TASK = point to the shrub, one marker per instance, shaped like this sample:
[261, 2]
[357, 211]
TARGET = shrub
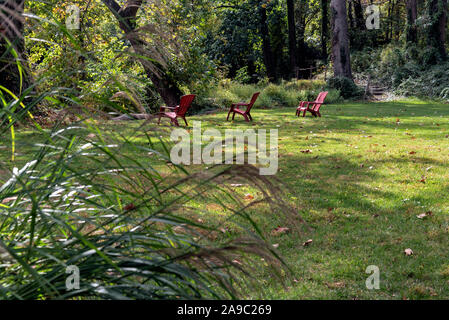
[285, 94]
[347, 87]
[242, 75]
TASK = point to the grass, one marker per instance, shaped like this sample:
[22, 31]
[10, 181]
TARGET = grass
[359, 176]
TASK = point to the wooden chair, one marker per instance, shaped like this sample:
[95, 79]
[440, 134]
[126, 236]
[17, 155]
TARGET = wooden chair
[246, 114]
[312, 107]
[178, 111]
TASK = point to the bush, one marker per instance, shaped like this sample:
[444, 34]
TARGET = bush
[348, 89]
[285, 94]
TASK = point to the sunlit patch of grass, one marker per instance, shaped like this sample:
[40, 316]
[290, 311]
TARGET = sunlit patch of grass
[374, 167]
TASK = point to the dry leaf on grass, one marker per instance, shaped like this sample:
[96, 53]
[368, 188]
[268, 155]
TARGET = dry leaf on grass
[279, 231]
[8, 200]
[336, 285]
[307, 243]
[130, 207]
[408, 252]
[249, 197]
[425, 215]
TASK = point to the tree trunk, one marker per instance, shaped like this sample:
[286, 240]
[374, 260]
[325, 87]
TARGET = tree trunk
[291, 36]
[358, 11]
[266, 44]
[11, 30]
[436, 37]
[350, 15]
[126, 15]
[340, 40]
[324, 27]
[412, 15]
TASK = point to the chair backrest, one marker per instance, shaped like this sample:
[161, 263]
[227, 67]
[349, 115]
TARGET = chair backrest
[321, 97]
[320, 100]
[253, 101]
[185, 104]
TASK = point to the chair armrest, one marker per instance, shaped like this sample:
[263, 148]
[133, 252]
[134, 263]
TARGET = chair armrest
[241, 104]
[170, 108]
[305, 104]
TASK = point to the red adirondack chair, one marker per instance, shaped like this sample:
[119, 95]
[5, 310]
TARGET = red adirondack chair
[312, 107]
[246, 114]
[178, 111]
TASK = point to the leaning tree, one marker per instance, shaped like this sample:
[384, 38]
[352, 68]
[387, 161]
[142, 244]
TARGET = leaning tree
[126, 15]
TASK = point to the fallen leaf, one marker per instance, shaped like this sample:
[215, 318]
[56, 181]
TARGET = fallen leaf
[279, 231]
[249, 197]
[336, 285]
[307, 243]
[7, 200]
[412, 152]
[425, 215]
[408, 252]
[276, 245]
[130, 207]
[306, 151]
[237, 262]
[423, 179]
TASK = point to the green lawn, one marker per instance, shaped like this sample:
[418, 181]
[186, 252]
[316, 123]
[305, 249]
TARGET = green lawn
[359, 176]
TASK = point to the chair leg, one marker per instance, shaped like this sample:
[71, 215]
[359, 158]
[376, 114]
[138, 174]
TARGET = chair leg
[233, 116]
[175, 122]
[319, 114]
[186, 122]
[304, 114]
[246, 117]
[249, 115]
[159, 122]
